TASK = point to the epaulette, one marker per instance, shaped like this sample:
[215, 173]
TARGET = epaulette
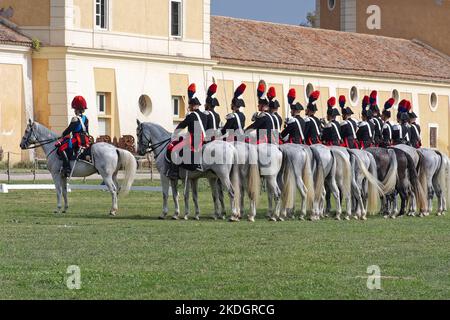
[385, 126]
[396, 127]
[307, 119]
[290, 120]
[362, 124]
[74, 119]
[343, 123]
[261, 115]
[230, 116]
[206, 112]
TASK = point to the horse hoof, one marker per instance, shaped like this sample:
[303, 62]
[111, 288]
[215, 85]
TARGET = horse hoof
[338, 218]
[161, 217]
[112, 213]
[186, 218]
[386, 216]
[348, 218]
[234, 219]
[197, 218]
[175, 218]
[281, 219]
[364, 218]
[251, 219]
[301, 218]
[273, 219]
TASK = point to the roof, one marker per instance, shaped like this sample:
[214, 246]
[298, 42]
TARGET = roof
[11, 36]
[287, 47]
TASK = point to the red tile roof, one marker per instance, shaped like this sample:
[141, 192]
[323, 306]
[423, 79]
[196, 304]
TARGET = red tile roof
[287, 47]
[11, 36]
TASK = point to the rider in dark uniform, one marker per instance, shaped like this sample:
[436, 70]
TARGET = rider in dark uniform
[312, 123]
[400, 132]
[262, 121]
[376, 119]
[295, 125]
[234, 127]
[195, 122]
[386, 134]
[366, 128]
[331, 135]
[75, 137]
[416, 141]
[210, 105]
[348, 126]
[274, 105]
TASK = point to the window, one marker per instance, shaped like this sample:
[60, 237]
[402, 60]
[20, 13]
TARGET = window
[354, 95]
[433, 137]
[101, 103]
[309, 90]
[176, 21]
[176, 103]
[433, 101]
[101, 14]
[145, 105]
[102, 127]
[395, 95]
[331, 4]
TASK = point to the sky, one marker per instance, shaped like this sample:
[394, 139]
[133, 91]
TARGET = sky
[279, 11]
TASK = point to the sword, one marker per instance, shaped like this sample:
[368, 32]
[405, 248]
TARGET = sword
[80, 151]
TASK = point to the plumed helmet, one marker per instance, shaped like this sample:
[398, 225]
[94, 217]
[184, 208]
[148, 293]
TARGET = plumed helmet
[331, 102]
[79, 103]
[342, 101]
[292, 95]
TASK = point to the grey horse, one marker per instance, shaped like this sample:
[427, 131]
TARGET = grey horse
[153, 137]
[107, 161]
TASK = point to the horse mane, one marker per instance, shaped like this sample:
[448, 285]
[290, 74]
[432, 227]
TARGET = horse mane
[157, 127]
[43, 129]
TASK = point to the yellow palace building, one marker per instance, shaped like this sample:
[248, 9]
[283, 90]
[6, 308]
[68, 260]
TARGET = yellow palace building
[135, 59]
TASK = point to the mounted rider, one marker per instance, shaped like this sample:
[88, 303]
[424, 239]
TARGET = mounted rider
[366, 128]
[195, 122]
[416, 140]
[331, 135]
[75, 139]
[312, 123]
[400, 132]
[348, 126]
[213, 122]
[262, 121]
[386, 134]
[376, 119]
[295, 125]
[274, 105]
[235, 120]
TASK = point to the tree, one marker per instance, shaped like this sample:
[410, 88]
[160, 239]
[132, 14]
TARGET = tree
[311, 20]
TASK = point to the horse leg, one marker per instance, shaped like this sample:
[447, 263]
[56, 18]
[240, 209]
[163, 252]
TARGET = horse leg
[109, 182]
[64, 193]
[176, 201]
[430, 198]
[274, 193]
[223, 212]
[186, 200]
[335, 191]
[165, 193]
[269, 201]
[57, 179]
[195, 197]
[214, 186]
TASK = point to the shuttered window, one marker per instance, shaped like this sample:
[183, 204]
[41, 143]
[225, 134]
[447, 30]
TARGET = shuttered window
[433, 137]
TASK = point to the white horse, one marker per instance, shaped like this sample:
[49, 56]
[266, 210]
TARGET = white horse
[107, 161]
[153, 137]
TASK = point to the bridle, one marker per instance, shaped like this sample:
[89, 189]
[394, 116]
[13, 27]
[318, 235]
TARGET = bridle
[153, 146]
[39, 143]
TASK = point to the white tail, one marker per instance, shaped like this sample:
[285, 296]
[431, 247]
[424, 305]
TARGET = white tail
[319, 176]
[390, 180]
[423, 180]
[235, 181]
[309, 182]
[347, 170]
[289, 187]
[254, 178]
[128, 163]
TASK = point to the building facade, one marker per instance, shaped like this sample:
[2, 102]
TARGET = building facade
[423, 20]
[135, 60]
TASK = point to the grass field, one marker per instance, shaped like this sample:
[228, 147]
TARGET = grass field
[136, 256]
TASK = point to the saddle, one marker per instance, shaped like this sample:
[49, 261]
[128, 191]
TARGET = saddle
[175, 151]
[76, 147]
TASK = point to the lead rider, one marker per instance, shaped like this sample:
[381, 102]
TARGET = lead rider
[76, 136]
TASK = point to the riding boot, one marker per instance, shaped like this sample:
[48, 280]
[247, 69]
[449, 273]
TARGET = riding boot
[172, 172]
[66, 164]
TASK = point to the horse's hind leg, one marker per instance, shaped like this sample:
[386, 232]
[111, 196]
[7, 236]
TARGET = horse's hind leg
[194, 184]
[165, 193]
[214, 192]
[223, 210]
[109, 182]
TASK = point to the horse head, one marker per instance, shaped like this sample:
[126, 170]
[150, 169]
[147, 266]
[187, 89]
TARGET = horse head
[29, 138]
[148, 134]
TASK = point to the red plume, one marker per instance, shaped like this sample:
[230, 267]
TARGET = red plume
[271, 94]
[191, 90]
[408, 105]
[212, 90]
[292, 95]
[342, 101]
[314, 96]
[261, 90]
[240, 90]
[331, 102]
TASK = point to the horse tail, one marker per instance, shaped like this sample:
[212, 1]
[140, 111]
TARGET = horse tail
[235, 183]
[447, 169]
[288, 192]
[375, 188]
[390, 180]
[128, 163]
[308, 181]
[319, 176]
[422, 170]
[254, 178]
[441, 177]
[347, 173]
[415, 183]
